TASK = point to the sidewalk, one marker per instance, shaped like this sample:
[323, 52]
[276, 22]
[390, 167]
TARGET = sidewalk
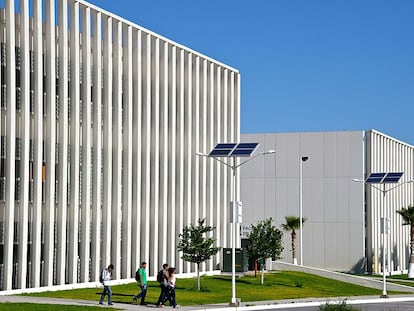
[248, 306]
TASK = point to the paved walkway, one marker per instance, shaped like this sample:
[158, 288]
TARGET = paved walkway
[248, 306]
[274, 304]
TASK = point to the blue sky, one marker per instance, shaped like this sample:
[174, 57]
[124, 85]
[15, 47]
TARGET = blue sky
[306, 65]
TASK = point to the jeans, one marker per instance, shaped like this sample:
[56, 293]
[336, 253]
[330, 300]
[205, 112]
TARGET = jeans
[106, 291]
[171, 296]
[163, 295]
[142, 294]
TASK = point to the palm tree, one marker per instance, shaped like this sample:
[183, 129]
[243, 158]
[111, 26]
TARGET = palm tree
[291, 224]
[408, 217]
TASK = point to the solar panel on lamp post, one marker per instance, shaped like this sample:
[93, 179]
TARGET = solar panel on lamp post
[234, 150]
[384, 178]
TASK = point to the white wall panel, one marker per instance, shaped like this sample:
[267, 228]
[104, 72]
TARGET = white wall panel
[327, 202]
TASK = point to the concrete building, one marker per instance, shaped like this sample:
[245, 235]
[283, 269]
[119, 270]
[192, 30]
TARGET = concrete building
[342, 231]
[100, 122]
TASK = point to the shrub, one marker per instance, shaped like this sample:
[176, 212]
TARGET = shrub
[337, 307]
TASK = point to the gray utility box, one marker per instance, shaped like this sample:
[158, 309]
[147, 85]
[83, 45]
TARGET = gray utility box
[242, 263]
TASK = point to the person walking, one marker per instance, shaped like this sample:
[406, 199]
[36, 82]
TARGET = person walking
[141, 277]
[171, 287]
[106, 277]
[162, 278]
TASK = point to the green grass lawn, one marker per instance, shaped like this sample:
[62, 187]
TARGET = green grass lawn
[217, 289]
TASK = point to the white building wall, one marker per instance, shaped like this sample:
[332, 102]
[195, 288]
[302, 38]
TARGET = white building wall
[387, 154]
[334, 233]
[343, 227]
[106, 117]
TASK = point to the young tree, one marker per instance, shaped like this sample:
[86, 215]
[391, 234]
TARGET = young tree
[292, 223]
[265, 242]
[408, 218]
[196, 246]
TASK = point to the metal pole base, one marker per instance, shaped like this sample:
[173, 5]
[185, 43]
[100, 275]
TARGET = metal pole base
[384, 296]
[235, 303]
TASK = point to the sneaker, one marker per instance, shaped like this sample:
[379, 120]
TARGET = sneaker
[176, 307]
[110, 304]
[101, 303]
[160, 305]
[143, 303]
[134, 300]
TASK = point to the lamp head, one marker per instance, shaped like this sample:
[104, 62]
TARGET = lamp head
[271, 151]
[357, 180]
[305, 159]
[201, 154]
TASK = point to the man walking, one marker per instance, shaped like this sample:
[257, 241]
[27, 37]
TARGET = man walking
[106, 277]
[141, 277]
[162, 279]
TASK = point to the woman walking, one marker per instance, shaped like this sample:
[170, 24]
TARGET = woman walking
[171, 287]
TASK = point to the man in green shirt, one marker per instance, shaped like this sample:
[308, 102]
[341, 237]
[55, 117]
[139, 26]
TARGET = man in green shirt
[141, 277]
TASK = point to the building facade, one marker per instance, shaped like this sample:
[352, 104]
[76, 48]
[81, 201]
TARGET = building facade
[100, 123]
[342, 231]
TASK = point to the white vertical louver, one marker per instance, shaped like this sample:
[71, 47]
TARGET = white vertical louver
[114, 115]
[386, 154]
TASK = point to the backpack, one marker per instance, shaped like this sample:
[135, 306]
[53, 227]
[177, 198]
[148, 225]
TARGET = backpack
[160, 276]
[101, 276]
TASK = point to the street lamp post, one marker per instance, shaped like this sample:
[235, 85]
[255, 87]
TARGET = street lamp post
[234, 166]
[302, 159]
[384, 224]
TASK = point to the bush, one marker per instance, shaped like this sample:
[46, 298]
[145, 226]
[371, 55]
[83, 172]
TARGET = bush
[298, 283]
[337, 307]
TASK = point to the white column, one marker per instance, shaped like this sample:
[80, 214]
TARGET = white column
[196, 146]
[50, 141]
[37, 142]
[236, 124]
[211, 165]
[74, 143]
[227, 185]
[86, 146]
[155, 151]
[180, 153]
[146, 145]
[96, 265]
[25, 141]
[10, 146]
[107, 143]
[127, 269]
[203, 147]
[164, 143]
[61, 256]
[188, 155]
[172, 159]
[117, 150]
[219, 187]
[137, 147]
